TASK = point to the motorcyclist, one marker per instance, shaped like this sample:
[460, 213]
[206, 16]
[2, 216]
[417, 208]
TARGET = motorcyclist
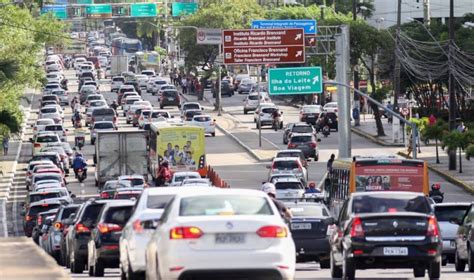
[270, 190]
[76, 118]
[436, 190]
[114, 106]
[312, 188]
[79, 162]
[73, 102]
[323, 122]
[164, 174]
[276, 115]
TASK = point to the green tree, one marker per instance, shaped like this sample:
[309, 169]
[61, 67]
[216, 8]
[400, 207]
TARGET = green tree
[457, 141]
[435, 132]
[470, 151]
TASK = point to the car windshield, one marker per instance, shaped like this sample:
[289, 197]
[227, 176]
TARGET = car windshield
[102, 112]
[91, 213]
[287, 164]
[127, 195]
[169, 93]
[302, 129]
[202, 119]
[44, 122]
[160, 82]
[381, 204]
[118, 80]
[40, 196]
[103, 125]
[190, 114]
[54, 128]
[136, 181]
[288, 154]
[288, 186]
[181, 178]
[47, 177]
[118, 215]
[216, 205]
[68, 211]
[253, 97]
[47, 139]
[448, 213]
[268, 110]
[58, 92]
[42, 208]
[308, 211]
[48, 110]
[301, 139]
[132, 100]
[311, 109]
[158, 201]
[98, 103]
[191, 106]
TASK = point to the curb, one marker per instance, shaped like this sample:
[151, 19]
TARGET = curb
[242, 144]
[447, 177]
[373, 138]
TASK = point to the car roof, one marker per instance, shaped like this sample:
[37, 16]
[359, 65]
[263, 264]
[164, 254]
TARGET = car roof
[301, 134]
[49, 190]
[191, 103]
[287, 180]
[286, 159]
[199, 191]
[290, 151]
[186, 173]
[304, 203]
[118, 202]
[46, 201]
[98, 122]
[162, 191]
[301, 124]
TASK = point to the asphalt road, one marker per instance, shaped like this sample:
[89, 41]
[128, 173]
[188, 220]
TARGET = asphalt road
[234, 165]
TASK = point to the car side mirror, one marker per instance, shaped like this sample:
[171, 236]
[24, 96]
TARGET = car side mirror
[455, 221]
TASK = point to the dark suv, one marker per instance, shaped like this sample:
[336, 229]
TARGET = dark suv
[103, 245]
[79, 232]
[31, 214]
[386, 230]
[169, 97]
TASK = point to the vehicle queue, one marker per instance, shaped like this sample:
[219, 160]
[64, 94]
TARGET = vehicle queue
[173, 224]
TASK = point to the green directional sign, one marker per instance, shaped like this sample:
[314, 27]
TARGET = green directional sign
[143, 10]
[99, 11]
[297, 80]
[84, 1]
[179, 8]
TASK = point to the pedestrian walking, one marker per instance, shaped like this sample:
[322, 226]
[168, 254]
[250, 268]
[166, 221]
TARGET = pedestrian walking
[330, 162]
[432, 120]
[5, 144]
[184, 83]
[461, 127]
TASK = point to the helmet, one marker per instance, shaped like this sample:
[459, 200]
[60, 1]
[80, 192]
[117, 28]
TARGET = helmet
[312, 184]
[78, 155]
[436, 186]
[269, 188]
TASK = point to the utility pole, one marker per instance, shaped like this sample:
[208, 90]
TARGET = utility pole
[426, 13]
[452, 95]
[396, 80]
[356, 74]
[343, 93]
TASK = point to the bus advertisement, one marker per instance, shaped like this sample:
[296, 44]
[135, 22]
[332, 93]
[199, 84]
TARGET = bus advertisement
[182, 146]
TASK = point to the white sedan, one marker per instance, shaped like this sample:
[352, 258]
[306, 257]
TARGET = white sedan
[232, 231]
[179, 177]
[206, 122]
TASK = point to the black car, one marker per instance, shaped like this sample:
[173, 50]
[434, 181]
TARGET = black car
[56, 232]
[104, 242]
[226, 89]
[465, 241]
[309, 228]
[291, 128]
[169, 97]
[386, 230]
[79, 232]
[40, 222]
[31, 214]
[332, 120]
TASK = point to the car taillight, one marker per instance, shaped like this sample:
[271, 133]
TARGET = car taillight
[433, 229]
[37, 145]
[291, 145]
[356, 228]
[104, 195]
[137, 226]
[80, 228]
[272, 232]
[106, 228]
[185, 233]
[312, 144]
[28, 218]
[58, 225]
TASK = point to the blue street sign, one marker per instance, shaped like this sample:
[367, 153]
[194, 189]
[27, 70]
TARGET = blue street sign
[309, 25]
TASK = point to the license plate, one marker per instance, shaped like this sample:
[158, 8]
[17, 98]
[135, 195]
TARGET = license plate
[230, 238]
[300, 226]
[395, 251]
[170, 99]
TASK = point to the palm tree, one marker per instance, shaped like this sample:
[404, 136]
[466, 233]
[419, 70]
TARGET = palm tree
[435, 132]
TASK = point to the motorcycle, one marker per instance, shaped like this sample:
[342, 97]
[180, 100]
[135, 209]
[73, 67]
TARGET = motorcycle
[326, 130]
[438, 198]
[80, 141]
[276, 122]
[77, 124]
[81, 175]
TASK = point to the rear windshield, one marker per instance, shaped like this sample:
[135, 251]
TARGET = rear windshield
[146, 113]
[448, 213]
[288, 186]
[288, 154]
[45, 122]
[160, 82]
[202, 119]
[118, 80]
[285, 165]
[191, 106]
[302, 129]
[216, 205]
[127, 195]
[91, 213]
[301, 139]
[47, 139]
[308, 211]
[41, 196]
[98, 103]
[103, 125]
[268, 110]
[158, 114]
[253, 97]
[42, 208]
[311, 109]
[48, 110]
[136, 182]
[58, 92]
[68, 211]
[380, 204]
[181, 178]
[102, 112]
[132, 100]
[52, 86]
[169, 93]
[49, 97]
[54, 128]
[48, 177]
[193, 113]
[158, 201]
[94, 97]
[118, 215]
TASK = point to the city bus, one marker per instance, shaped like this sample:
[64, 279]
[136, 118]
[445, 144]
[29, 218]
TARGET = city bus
[126, 46]
[181, 145]
[364, 174]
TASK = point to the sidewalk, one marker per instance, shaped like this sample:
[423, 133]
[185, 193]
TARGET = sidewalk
[239, 132]
[465, 180]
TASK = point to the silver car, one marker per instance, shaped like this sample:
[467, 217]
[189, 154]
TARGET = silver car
[101, 126]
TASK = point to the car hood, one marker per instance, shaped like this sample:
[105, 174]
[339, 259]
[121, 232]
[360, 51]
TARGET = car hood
[448, 230]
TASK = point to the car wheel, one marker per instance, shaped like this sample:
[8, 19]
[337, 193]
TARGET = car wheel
[123, 276]
[470, 259]
[444, 262]
[419, 271]
[92, 142]
[434, 270]
[161, 106]
[336, 271]
[459, 264]
[134, 275]
[134, 125]
[127, 121]
[245, 112]
[91, 270]
[98, 268]
[325, 263]
[285, 141]
[77, 266]
[213, 134]
[348, 268]
[316, 157]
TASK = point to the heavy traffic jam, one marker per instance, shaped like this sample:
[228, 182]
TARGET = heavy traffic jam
[161, 212]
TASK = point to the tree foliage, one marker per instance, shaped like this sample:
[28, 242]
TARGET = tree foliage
[435, 132]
